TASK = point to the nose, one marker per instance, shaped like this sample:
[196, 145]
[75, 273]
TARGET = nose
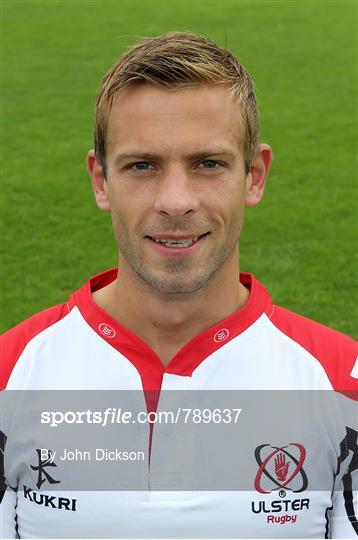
[177, 194]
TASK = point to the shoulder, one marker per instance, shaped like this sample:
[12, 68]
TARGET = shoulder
[14, 341]
[336, 352]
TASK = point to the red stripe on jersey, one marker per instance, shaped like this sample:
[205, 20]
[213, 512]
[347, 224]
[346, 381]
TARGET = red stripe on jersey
[335, 351]
[14, 341]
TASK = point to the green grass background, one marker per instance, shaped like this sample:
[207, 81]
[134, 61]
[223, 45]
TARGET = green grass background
[300, 241]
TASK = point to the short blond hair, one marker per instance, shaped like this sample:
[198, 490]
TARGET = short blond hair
[178, 60]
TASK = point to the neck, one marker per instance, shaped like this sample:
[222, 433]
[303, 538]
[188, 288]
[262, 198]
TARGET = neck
[164, 322]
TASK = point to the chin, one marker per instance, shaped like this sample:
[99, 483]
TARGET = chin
[174, 286]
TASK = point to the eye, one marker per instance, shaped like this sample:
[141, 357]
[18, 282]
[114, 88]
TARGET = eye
[140, 166]
[209, 164]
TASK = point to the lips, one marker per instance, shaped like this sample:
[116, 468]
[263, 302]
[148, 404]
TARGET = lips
[176, 243]
[171, 241]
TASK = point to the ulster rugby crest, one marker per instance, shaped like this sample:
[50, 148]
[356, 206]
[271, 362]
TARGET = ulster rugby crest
[280, 467]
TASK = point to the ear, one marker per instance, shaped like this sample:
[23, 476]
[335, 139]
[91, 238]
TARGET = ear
[257, 177]
[99, 182]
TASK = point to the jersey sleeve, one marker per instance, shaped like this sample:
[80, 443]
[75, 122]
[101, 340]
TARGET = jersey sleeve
[12, 346]
[344, 511]
[8, 499]
[337, 355]
[8, 515]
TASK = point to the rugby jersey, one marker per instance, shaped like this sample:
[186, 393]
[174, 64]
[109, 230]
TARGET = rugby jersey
[262, 347]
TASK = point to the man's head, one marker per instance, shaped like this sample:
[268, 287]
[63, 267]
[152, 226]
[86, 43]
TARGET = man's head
[179, 60]
[177, 159]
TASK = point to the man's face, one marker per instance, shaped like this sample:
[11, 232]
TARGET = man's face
[176, 183]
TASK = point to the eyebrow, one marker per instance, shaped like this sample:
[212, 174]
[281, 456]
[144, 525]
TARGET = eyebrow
[137, 154]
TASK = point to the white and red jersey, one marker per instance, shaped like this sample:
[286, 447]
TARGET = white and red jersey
[78, 346]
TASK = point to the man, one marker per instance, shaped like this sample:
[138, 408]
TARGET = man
[177, 159]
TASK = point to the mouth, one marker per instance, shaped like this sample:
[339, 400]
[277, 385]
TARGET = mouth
[177, 243]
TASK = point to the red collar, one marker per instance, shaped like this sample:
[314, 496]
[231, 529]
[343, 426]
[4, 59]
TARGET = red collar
[192, 354]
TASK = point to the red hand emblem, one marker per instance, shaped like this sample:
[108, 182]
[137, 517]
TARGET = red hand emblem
[281, 467]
